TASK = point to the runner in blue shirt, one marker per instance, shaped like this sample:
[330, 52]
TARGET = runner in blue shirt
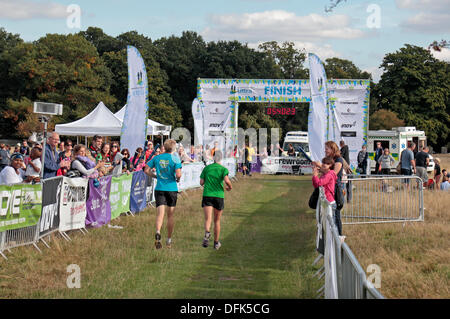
[168, 173]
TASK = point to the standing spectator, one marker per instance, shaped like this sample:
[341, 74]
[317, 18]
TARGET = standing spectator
[378, 153]
[149, 151]
[445, 186]
[61, 146]
[437, 172]
[34, 166]
[422, 161]
[17, 148]
[248, 153]
[408, 164]
[344, 151]
[14, 174]
[332, 151]
[83, 164]
[386, 161]
[105, 155]
[51, 160]
[214, 149]
[168, 173]
[24, 149]
[291, 151]
[126, 163]
[4, 156]
[96, 146]
[327, 179]
[362, 160]
[137, 158]
[65, 156]
[183, 156]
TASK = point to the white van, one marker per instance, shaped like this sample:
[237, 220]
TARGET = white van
[296, 138]
[396, 140]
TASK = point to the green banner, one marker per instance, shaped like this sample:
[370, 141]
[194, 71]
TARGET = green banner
[20, 206]
[119, 196]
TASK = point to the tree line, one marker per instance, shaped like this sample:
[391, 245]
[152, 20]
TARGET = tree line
[79, 70]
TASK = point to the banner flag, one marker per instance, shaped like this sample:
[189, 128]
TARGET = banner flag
[134, 126]
[119, 196]
[138, 191]
[20, 206]
[98, 207]
[51, 195]
[318, 112]
[72, 207]
[197, 114]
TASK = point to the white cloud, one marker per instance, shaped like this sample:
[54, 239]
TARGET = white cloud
[280, 26]
[443, 55]
[26, 9]
[376, 73]
[424, 5]
[433, 15]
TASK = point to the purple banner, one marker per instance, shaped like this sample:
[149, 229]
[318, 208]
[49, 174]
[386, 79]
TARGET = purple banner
[98, 206]
[256, 166]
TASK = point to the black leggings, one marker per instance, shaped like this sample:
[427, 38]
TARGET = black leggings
[337, 221]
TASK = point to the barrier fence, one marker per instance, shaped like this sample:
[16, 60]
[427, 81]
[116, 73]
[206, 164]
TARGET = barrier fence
[29, 213]
[344, 276]
[383, 198]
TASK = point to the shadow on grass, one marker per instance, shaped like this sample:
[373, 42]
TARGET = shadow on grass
[269, 255]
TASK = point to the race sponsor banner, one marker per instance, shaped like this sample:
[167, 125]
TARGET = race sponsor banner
[138, 191]
[217, 119]
[134, 127]
[197, 114]
[21, 206]
[349, 107]
[318, 109]
[98, 207]
[51, 195]
[190, 175]
[72, 207]
[230, 164]
[149, 193]
[286, 164]
[119, 195]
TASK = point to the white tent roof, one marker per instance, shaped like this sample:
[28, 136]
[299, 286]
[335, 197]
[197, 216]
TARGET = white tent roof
[153, 127]
[100, 121]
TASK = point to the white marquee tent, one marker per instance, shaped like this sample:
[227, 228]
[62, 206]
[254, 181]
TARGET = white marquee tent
[101, 121]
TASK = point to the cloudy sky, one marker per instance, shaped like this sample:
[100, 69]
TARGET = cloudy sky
[358, 30]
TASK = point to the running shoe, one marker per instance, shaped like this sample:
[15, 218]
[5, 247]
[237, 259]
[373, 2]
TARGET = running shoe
[169, 243]
[206, 240]
[217, 245]
[158, 241]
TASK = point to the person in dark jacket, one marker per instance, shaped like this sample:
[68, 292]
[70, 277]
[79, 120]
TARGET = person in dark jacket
[345, 152]
[378, 154]
[362, 160]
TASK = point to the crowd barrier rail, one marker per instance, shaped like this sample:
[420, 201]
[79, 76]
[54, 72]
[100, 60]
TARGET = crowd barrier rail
[29, 213]
[344, 276]
[382, 199]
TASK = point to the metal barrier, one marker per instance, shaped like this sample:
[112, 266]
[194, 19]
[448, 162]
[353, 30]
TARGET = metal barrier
[344, 276]
[21, 237]
[383, 198]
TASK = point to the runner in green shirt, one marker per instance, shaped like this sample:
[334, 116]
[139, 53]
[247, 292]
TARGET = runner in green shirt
[212, 178]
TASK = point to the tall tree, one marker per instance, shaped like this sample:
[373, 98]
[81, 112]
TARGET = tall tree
[337, 68]
[416, 86]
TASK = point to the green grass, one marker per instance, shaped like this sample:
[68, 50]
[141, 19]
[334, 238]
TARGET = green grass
[268, 246]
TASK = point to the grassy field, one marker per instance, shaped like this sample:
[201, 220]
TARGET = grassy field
[414, 257]
[268, 238]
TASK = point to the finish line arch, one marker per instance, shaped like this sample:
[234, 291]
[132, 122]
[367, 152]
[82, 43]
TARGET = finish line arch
[218, 107]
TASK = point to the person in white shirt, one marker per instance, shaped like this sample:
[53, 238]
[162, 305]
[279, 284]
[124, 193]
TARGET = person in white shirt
[14, 174]
[34, 166]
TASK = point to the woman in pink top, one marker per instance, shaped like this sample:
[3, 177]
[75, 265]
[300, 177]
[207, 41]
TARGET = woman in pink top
[328, 178]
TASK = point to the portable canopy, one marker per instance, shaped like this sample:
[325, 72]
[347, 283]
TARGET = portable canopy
[101, 121]
[153, 127]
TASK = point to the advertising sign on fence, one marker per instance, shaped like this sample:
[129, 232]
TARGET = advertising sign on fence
[20, 206]
[138, 190]
[98, 207]
[119, 197]
[72, 207]
[286, 164]
[51, 195]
